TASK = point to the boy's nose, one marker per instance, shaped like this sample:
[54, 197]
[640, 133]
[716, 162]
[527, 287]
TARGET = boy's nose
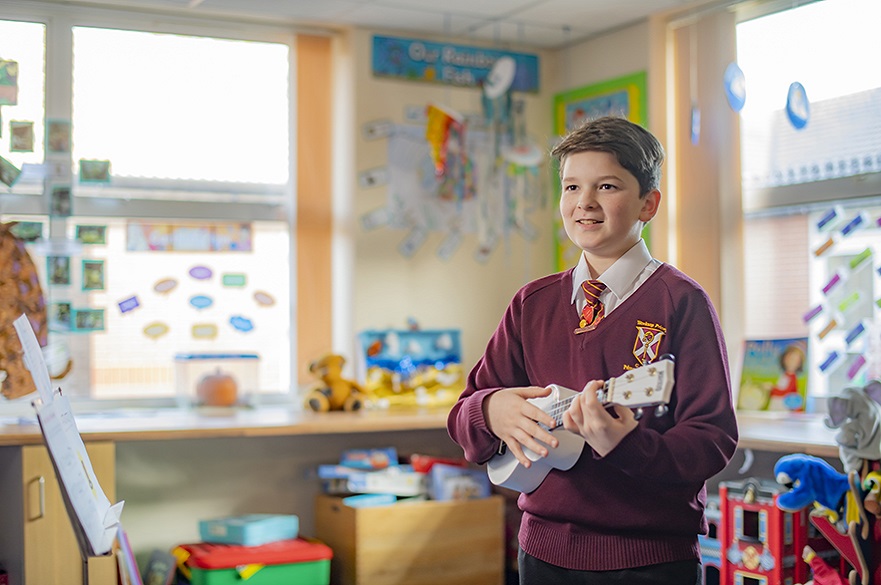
[586, 200]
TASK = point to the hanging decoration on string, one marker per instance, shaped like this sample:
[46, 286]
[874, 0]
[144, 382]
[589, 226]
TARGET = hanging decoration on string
[445, 133]
[458, 173]
[798, 108]
[735, 86]
[692, 86]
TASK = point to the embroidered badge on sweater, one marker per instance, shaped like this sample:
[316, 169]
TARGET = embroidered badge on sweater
[647, 346]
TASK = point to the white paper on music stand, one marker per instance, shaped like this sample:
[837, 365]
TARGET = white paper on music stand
[33, 358]
[94, 519]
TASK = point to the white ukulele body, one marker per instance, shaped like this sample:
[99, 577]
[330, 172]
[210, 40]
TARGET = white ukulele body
[649, 385]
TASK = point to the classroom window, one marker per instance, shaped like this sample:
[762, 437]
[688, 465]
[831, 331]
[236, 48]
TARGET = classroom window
[157, 199]
[792, 178]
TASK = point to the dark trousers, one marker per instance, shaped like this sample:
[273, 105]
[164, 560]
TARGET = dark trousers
[536, 572]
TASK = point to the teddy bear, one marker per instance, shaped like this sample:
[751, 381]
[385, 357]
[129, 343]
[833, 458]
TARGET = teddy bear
[333, 392]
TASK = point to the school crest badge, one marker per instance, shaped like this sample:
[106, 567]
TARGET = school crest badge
[647, 346]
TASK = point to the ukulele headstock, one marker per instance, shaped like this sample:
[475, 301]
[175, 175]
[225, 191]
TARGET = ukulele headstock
[650, 385]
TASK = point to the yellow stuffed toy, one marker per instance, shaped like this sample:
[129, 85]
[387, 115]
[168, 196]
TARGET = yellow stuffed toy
[333, 392]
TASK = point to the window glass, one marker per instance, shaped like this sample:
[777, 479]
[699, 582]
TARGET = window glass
[177, 107]
[131, 296]
[166, 255]
[830, 48]
[22, 99]
[806, 276]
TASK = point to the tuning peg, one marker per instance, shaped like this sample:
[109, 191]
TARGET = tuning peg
[661, 410]
[637, 414]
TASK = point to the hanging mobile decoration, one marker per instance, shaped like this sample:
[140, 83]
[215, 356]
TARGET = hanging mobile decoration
[798, 108]
[735, 86]
[445, 132]
[692, 85]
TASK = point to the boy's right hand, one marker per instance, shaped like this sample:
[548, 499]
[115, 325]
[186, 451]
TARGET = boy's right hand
[518, 422]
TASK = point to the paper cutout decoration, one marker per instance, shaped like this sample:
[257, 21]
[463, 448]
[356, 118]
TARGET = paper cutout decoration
[798, 109]
[155, 330]
[200, 272]
[735, 86]
[129, 304]
[234, 280]
[264, 299]
[204, 331]
[201, 301]
[241, 323]
[441, 124]
[166, 285]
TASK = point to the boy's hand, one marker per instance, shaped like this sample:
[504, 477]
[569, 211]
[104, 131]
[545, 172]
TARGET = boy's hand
[516, 422]
[588, 417]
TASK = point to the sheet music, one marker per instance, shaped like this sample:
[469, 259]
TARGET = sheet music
[94, 519]
[33, 358]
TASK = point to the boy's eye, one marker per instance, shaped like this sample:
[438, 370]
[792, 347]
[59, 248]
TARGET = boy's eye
[607, 186]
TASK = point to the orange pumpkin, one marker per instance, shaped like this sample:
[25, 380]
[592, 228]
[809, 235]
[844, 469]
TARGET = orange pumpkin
[217, 389]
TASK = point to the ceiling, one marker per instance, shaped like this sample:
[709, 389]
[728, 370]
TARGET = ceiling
[536, 24]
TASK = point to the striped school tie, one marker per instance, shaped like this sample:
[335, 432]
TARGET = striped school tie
[593, 310]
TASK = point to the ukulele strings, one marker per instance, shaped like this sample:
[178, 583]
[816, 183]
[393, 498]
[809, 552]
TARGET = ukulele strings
[561, 406]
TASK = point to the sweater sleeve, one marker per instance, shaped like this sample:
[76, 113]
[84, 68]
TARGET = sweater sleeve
[502, 366]
[703, 436]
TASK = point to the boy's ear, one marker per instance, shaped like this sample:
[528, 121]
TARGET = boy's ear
[650, 204]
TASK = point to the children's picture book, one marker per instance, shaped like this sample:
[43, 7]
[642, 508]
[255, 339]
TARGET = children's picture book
[774, 375]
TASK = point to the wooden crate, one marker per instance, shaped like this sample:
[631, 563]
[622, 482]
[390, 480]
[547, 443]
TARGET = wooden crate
[420, 543]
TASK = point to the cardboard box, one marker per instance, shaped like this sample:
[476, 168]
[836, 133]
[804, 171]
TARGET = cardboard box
[414, 543]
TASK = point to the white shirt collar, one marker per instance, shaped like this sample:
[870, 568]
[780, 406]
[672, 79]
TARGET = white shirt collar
[620, 276]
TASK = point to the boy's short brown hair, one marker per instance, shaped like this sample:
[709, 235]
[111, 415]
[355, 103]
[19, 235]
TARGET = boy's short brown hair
[635, 148]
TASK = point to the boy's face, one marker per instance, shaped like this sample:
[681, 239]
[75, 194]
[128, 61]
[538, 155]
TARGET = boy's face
[601, 208]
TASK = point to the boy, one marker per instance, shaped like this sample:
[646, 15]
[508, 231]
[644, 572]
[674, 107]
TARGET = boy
[630, 509]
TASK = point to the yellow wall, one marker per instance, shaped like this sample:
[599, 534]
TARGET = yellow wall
[459, 292]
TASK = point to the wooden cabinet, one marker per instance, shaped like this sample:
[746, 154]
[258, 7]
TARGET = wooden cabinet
[37, 543]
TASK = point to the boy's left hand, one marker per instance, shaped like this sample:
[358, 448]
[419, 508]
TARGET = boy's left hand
[588, 417]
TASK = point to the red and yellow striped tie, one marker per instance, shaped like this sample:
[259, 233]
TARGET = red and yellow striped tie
[593, 310]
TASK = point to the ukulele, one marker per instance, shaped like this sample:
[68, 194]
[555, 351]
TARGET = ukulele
[647, 386]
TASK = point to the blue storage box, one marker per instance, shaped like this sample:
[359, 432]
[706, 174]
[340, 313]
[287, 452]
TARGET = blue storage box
[250, 529]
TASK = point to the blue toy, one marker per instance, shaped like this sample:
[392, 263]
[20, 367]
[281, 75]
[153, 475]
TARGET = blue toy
[812, 480]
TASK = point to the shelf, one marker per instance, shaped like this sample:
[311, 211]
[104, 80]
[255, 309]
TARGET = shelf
[167, 424]
[787, 433]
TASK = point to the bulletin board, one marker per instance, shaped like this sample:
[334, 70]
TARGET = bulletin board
[622, 96]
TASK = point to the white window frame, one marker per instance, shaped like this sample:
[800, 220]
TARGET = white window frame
[239, 201]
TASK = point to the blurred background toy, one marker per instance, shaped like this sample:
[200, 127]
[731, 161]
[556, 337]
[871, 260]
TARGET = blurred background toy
[333, 392]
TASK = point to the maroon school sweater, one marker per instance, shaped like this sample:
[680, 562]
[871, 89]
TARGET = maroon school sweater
[643, 502]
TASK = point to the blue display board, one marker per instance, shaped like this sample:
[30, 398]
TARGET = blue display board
[447, 63]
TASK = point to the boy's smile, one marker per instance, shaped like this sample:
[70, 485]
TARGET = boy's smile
[601, 208]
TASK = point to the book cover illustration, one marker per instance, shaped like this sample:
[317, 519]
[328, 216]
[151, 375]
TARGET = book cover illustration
[774, 375]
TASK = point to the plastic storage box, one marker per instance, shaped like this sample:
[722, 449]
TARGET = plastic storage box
[190, 368]
[250, 529]
[286, 561]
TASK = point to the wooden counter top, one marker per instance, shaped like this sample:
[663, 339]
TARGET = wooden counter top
[166, 424]
[787, 433]
[782, 433]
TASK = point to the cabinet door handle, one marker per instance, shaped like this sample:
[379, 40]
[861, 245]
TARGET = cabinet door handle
[41, 494]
